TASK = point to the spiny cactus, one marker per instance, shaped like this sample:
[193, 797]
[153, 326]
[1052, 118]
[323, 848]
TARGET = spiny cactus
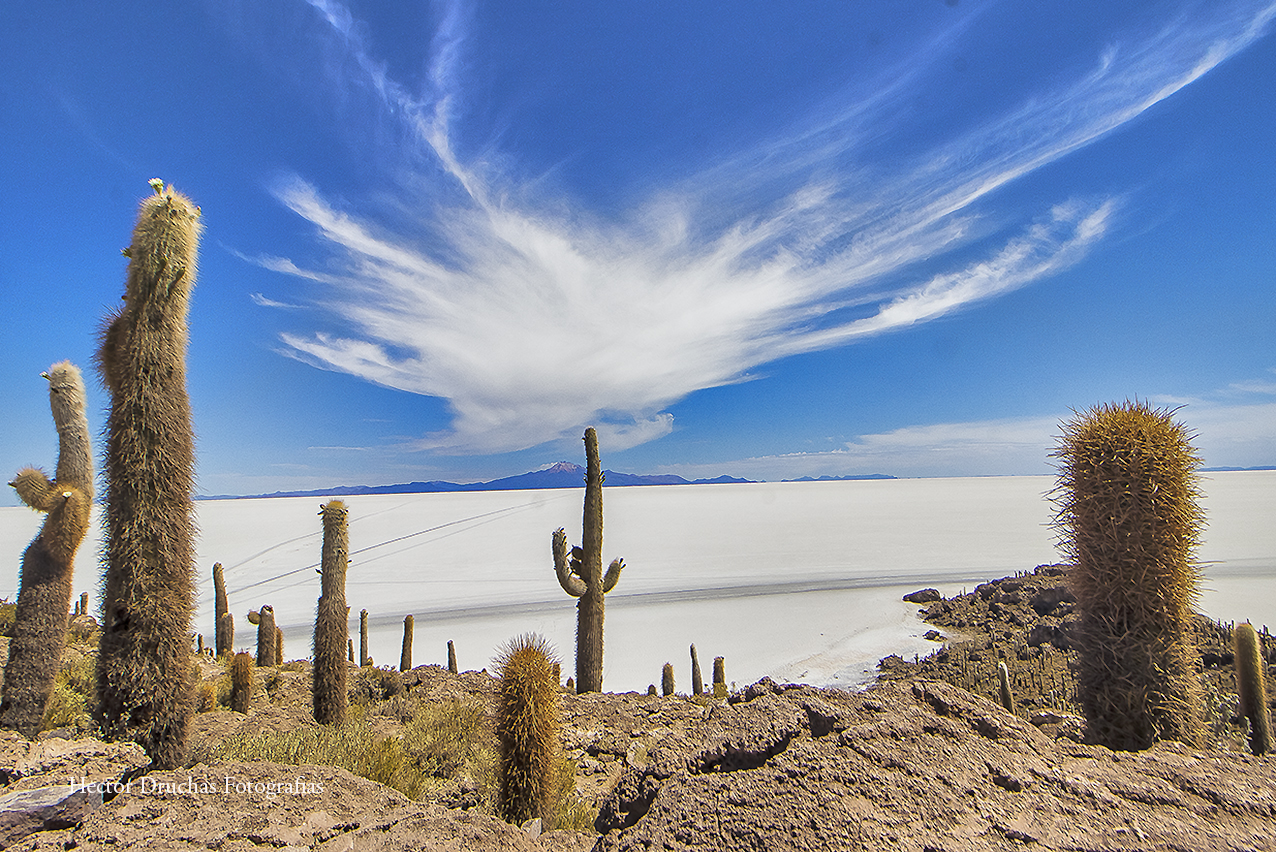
[350, 649]
[451, 657]
[697, 682]
[719, 677]
[266, 636]
[1128, 520]
[405, 655]
[332, 630]
[1251, 687]
[666, 679]
[145, 680]
[48, 564]
[582, 577]
[1003, 685]
[226, 633]
[222, 643]
[365, 659]
[241, 681]
[527, 726]
[279, 645]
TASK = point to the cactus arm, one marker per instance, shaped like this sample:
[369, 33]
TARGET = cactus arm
[35, 489]
[572, 584]
[613, 574]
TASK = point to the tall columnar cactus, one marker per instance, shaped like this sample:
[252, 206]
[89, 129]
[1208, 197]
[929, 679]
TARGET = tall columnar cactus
[144, 673]
[666, 679]
[451, 657]
[582, 576]
[266, 636]
[527, 726]
[241, 681]
[332, 630]
[1128, 521]
[220, 607]
[48, 565]
[226, 633]
[405, 655]
[719, 677]
[364, 658]
[697, 681]
[1251, 687]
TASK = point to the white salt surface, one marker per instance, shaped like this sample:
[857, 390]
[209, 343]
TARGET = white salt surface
[799, 581]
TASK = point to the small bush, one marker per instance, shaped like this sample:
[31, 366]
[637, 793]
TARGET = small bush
[73, 689]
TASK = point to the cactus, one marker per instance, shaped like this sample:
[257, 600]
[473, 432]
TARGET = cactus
[1128, 520]
[405, 656]
[279, 645]
[48, 565]
[1003, 683]
[350, 649]
[719, 677]
[651, 689]
[364, 658]
[145, 680]
[697, 682]
[222, 643]
[84, 603]
[266, 636]
[666, 679]
[332, 630]
[527, 731]
[582, 577]
[226, 633]
[241, 681]
[1252, 689]
[451, 657]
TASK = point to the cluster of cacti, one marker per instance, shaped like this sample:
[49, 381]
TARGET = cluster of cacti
[48, 564]
[1003, 687]
[224, 626]
[697, 682]
[527, 731]
[332, 629]
[144, 673]
[405, 655]
[241, 681]
[1251, 687]
[666, 679]
[582, 576]
[1129, 522]
[267, 636]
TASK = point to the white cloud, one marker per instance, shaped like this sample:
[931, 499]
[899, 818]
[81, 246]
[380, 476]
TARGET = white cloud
[533, 323]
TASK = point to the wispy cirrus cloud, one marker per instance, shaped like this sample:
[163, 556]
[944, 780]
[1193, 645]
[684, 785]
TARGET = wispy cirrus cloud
[532, 322]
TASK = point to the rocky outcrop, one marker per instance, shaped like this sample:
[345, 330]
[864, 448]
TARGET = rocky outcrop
[926, 766]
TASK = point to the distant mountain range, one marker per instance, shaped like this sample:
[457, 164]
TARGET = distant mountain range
[561, 475]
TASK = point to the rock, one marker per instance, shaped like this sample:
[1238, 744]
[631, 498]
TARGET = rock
[26, 765]
[922, 596]
[24, 812]
[933, 635]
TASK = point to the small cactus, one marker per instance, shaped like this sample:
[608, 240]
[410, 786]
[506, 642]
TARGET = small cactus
[48, 564]
[350, 650]
[527, 726]
[451, 657]
[241, 681]
[266, 636]
[405, 656]
[666, 679]
[719, 677]
[1003, 683]
[1251, 688]
[651, 689]
[226, 633]
[697, 682]
[582, 576]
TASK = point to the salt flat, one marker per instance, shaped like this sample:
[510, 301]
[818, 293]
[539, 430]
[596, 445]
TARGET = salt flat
[799, 581]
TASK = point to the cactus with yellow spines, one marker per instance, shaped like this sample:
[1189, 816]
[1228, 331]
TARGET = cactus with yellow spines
[1251, 687]
[48, 564]
[527, 726]
[1129, 522]
[241, 681]
[582, 575]
[145, 680]
[332, 630]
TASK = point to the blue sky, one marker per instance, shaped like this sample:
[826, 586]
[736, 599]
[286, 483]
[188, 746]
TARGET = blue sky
[762, 239]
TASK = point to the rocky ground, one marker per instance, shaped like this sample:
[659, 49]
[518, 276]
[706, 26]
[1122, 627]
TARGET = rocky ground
[914, 763]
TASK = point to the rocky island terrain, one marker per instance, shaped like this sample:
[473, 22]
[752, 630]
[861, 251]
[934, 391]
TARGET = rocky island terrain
[923, 761]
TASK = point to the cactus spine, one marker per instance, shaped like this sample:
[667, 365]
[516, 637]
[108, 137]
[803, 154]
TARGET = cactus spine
[266, 636]
[527, 731]
[697, 682]
[221, 642]
[1003, 684]
[241, 681]
[48, 564]
[1128, 520]
[451, 657]
[1252, 689]
[364, 659]
[145, 680]
[666, 679]
[331, 627]
[582, 577]
[405, 656]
